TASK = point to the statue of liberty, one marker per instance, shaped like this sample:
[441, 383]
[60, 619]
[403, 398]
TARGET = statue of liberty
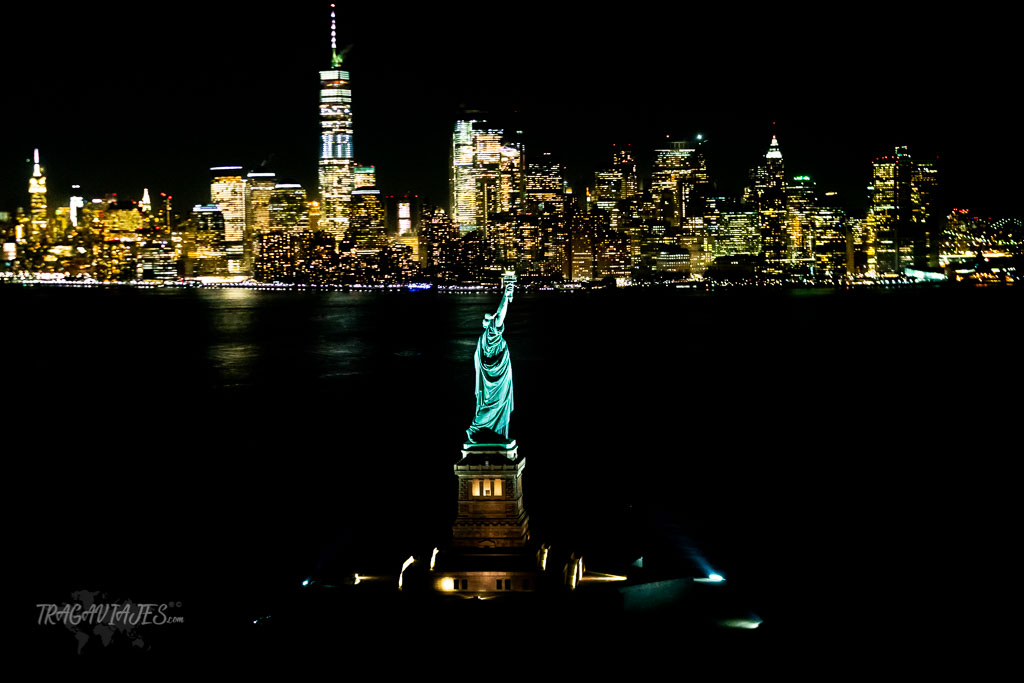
[494, 401]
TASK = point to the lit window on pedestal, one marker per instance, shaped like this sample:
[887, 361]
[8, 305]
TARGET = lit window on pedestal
[476, 487]
[497, 487]
[487, 487]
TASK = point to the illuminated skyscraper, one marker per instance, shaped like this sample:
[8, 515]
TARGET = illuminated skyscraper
[439, 241]
[259, 190]
[313, 208]
[511, 177]
[37, 189]
[623, 159]
[545, 185]
[771, 204]
[487, 163]
[607, 188]
[815, 233]
[405, 216]
[288, 210]
[901, 232]
[209, 219]
[890, 204]
[462, 180]
[337, 168]
[737, 232]
[166, 214]
[367, 225]
[402, 224]
[486, 175]
[616, 182]
[228, 192]
[122, 221]
[801, 208]
[203, 246]
[925, 234]
[364, 176]
[76, 204]
[402, 214]
[828, 242]
[694, 184]
[546, 198]
[670, 166]
[116, 257]
[283, 251]
[694, 208]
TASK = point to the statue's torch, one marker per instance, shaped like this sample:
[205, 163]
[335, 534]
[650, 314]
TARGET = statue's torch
[509, 280]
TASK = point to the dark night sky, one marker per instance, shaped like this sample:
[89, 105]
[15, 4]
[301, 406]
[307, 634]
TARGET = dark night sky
[117, 100]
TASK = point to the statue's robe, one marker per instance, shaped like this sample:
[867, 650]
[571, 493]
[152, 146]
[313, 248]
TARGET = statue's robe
[494, 402]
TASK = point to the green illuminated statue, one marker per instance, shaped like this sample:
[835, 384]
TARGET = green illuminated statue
[494, 402]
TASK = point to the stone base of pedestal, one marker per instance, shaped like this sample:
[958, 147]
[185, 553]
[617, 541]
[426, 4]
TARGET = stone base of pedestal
[470, 572]
[490, 498]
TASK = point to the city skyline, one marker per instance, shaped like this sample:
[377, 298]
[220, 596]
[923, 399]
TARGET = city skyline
[182, 123]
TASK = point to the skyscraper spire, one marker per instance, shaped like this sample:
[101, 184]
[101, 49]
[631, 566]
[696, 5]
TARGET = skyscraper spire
[336, 57]
[334, 39]
[36, 172]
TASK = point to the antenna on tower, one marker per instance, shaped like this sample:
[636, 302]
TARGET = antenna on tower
[334, 37]
[36, 173]
[336, 57]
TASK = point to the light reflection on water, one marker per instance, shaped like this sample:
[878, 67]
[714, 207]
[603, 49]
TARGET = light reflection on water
[233, 361]
[231, 313]
[256, 336]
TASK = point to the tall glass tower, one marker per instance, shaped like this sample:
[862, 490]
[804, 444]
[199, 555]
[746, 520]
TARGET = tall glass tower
[485, 174]
[337, 168]
[771, 189]
[902, 190]
[462, 179]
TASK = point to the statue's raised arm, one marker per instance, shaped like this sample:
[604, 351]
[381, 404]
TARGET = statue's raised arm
[506, 299]
[493, 365]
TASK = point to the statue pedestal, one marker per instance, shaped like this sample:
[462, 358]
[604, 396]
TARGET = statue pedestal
[489, 555]
[490, 499]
